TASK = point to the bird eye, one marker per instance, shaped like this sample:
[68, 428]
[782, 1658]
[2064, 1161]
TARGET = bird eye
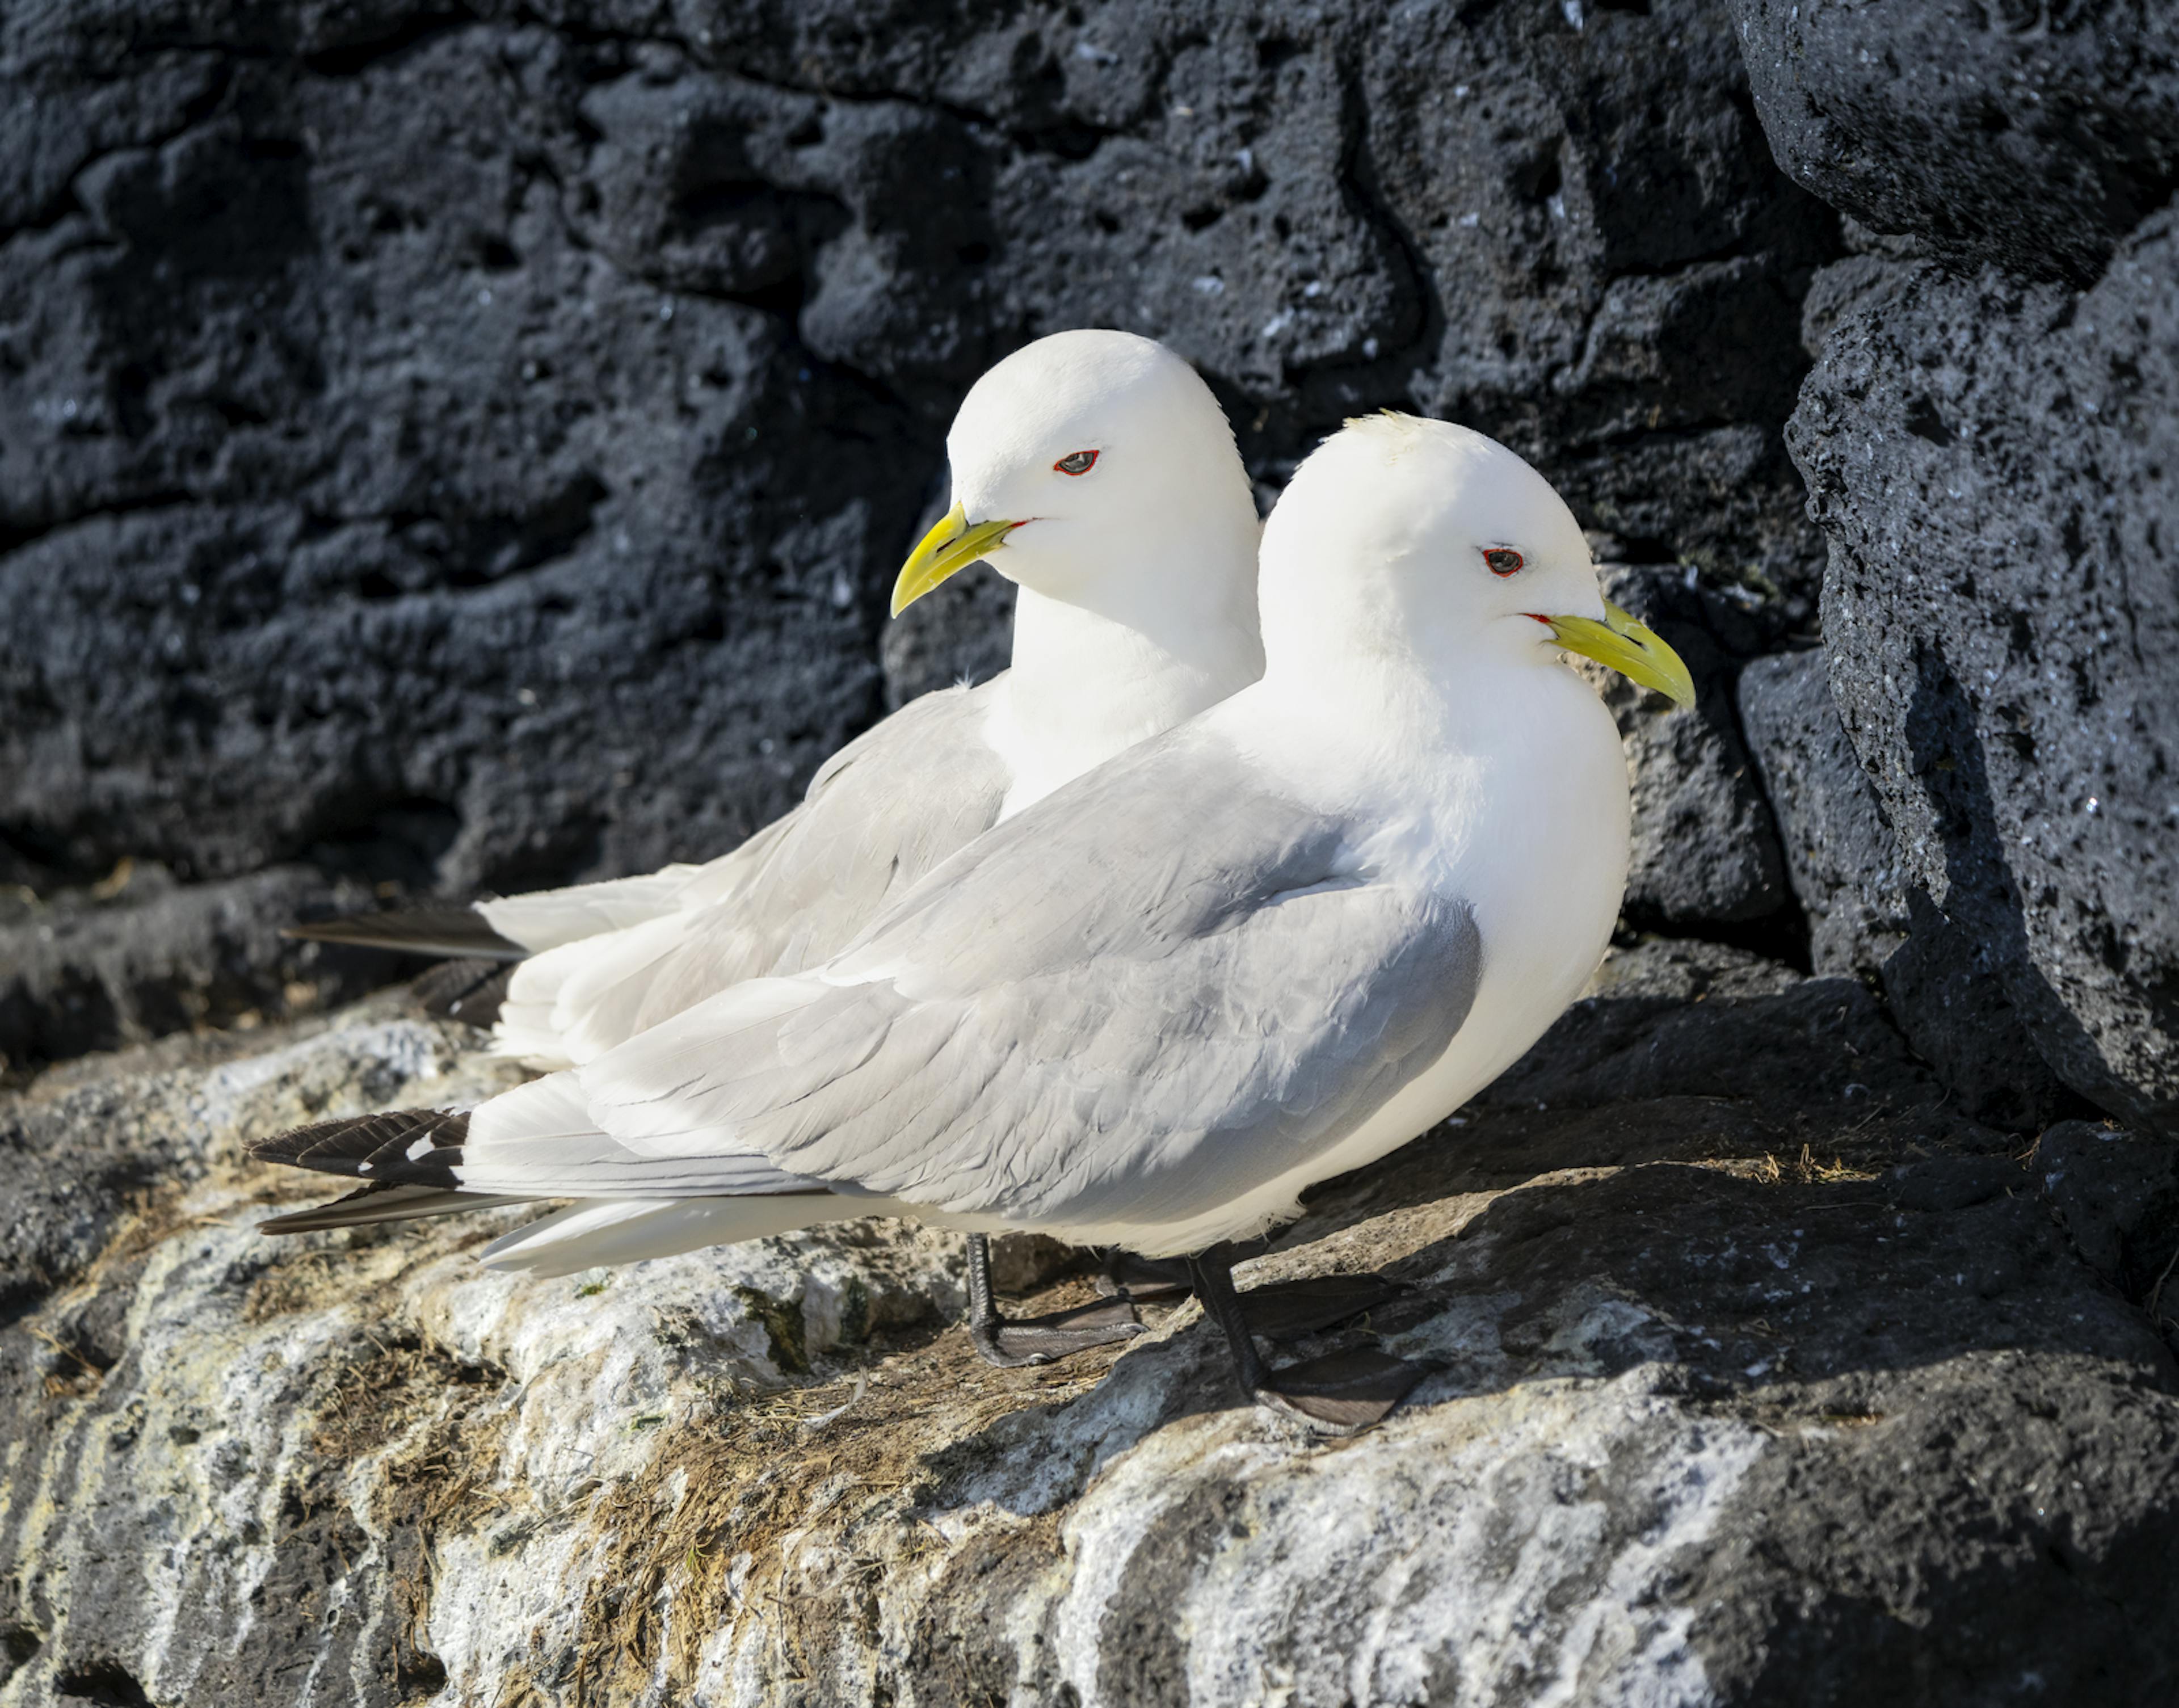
[1502, 560]
[1077, 463]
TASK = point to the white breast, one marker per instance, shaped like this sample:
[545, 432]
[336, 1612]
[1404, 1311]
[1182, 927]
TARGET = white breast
[1535, 840]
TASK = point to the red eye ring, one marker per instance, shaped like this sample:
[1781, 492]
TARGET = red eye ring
[1076, 463]
[1503, 560]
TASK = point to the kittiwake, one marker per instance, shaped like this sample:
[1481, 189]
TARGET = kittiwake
[1096, 471]
[1262, 949]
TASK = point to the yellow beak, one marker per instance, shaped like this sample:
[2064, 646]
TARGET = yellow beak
[1628, 648]
[952, 545]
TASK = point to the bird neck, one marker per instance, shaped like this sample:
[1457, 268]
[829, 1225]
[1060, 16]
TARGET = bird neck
[1383, 711]
[1146, 644]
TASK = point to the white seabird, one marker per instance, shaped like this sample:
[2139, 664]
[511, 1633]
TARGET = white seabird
[1093, 468]
[1262, 949]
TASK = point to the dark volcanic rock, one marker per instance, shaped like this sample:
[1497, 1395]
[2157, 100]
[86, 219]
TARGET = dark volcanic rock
[1868, 917]
[1944, 987]
[1705, 851]
[470, 446]
[1838, 849]
[2032, 134]
[1997, 467]
[1670, 1021]
[361, 513]
[93, 973]
[2118, 1197]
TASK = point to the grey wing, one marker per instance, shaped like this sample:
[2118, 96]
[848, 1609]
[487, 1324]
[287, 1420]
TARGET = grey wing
[1152, 991]
[880, 815]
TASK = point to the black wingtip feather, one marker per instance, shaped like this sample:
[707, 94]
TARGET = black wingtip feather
[469, 990]
[382, 1202]
[418, 1147]
[462, 931]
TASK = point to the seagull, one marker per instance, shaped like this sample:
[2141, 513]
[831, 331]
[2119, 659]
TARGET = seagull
[1096, 471]
[1258, 950]
[1264, 948]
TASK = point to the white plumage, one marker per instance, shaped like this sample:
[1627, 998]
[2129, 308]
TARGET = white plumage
[1136, 611]
[1258, 951]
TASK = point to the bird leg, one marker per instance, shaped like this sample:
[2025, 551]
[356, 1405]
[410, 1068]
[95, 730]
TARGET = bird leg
[1126, 1275]
[1010, 1342]
[1278, 1310]
[1336, 1394]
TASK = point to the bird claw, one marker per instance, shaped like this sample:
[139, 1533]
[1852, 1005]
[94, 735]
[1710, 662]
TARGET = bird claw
[1011, 1343]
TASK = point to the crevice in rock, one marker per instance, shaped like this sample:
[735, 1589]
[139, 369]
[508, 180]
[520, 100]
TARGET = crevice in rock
[18, 1646]
[103, 1684]
[1357, 177]
[20, 535]
[352, 58]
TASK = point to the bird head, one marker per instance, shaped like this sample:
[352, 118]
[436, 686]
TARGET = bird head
[1071, 457]
[1444, 541]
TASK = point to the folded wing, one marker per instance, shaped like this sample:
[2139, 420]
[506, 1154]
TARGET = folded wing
[878, 815]
[1022, 1037]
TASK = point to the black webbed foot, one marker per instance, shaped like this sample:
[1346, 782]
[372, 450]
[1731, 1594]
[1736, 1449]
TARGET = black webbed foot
[1010, 1342]
[1341, 1392]
[1336, 1394]
[1288, 1309]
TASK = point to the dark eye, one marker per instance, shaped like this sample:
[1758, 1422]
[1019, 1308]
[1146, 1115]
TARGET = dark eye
[1502, 560]
[1077, 463]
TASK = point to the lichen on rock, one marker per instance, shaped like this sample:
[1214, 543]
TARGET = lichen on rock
[1687, 1323]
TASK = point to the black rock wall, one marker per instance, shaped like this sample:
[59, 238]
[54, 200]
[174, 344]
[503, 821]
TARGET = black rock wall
[1991, 444]
[1869, 916]
[2032, 134]
[466, 446]
[2003, 629]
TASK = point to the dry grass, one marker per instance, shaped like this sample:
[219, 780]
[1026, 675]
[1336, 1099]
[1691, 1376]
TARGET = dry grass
[409, 1392]
[1808, 1170]
[713, 1529]
[434, 1412]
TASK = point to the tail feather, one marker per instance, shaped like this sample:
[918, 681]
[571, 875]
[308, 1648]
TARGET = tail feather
[536, 1141]
[462, 931]
[382, 1202]
[546, 919]
[413, 1147]
[593, 1231]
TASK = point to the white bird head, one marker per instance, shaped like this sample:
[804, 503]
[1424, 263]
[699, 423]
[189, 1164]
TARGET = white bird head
[1417, 537]
[1072, 459]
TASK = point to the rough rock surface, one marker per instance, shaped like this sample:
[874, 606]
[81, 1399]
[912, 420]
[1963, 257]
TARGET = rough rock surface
[136, 956]
[2034, 134]
[446, 445]
[1997, 467]
[1838, 850]
[1705, 850]
[1868, 917]
[468, 446]
[1763, 1377]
